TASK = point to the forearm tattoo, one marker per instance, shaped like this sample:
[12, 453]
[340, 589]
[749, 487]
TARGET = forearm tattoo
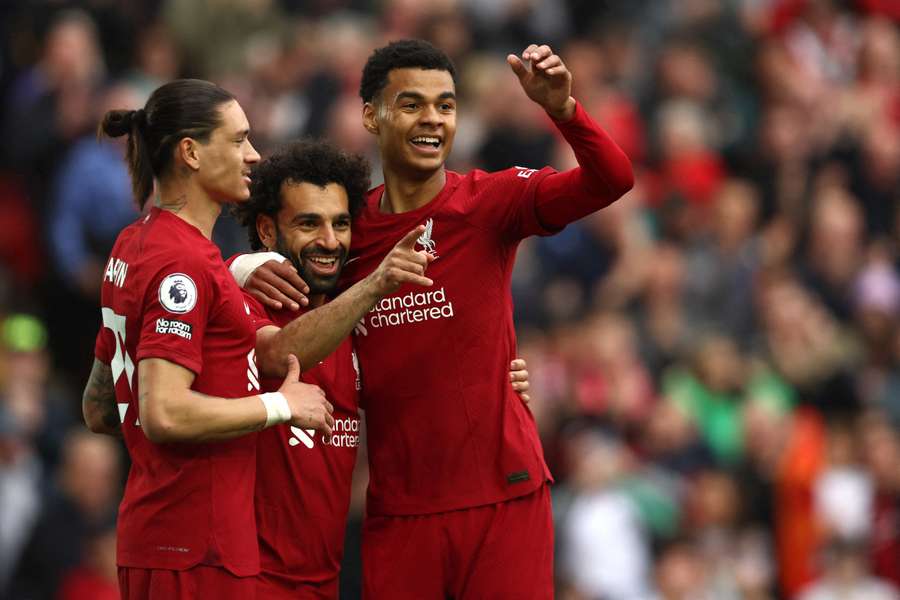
[100, 395]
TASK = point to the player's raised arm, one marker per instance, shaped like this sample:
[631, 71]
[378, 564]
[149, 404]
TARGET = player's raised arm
[315, 334]
[604, 173]
[546, 80]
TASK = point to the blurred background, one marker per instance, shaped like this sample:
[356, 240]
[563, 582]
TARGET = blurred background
[715, 359]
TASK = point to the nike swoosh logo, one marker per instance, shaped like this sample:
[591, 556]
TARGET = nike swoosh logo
[350, 260]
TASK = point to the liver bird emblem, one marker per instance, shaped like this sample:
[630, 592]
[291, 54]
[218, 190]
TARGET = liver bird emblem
[425, 239]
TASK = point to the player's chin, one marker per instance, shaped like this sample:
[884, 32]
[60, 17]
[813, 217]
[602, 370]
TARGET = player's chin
[322, 285]
[427, 163]
[242, 195]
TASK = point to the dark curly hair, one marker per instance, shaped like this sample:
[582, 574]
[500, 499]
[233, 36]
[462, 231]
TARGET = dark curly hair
[403, 54]
[303, 161]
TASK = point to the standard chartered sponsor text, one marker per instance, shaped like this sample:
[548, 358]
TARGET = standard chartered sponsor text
[414, 307]
[344, 434]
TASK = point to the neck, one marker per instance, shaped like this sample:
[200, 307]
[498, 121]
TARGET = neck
[316, 300]
[403, 193]
[190, 204]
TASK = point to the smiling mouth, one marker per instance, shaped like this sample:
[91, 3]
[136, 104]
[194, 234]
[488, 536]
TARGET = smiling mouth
[426, 142]
[324, 264]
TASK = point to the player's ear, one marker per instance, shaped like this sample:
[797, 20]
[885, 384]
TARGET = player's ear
[188, 151]
[265, 229]
[369, 121]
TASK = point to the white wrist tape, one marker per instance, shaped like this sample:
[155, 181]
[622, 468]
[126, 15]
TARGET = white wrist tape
[243, 266]
[277, 408]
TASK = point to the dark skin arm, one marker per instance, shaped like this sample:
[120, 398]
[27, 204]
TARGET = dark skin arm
[278, 285]
[98, 403]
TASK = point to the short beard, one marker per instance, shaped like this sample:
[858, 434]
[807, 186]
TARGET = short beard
[317, 285]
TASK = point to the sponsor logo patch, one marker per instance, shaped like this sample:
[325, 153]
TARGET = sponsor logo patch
[177, 293]
[174, 327]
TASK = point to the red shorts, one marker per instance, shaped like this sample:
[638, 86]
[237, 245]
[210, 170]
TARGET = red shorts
[270, 586]
[502, 550]
[200, 582]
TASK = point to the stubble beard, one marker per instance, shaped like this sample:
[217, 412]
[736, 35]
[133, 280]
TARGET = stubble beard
[317, 284]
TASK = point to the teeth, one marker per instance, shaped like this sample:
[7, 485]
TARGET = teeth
[422, 139]
[323, 261]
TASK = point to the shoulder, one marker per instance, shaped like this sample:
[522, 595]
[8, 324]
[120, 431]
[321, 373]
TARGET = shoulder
[178, 265]
[507, 184]
[173, 240]
[511, 176]
[257, 310]
[171, 252]
[372, 198]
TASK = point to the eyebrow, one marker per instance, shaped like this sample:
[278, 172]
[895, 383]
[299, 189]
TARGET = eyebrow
[417, 96]
[306, 216]
[243, 132]
[316, 216]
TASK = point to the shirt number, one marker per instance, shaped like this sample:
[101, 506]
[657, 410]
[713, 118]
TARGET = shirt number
[121, 362]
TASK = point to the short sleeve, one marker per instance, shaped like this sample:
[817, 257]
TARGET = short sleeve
[258, 314]
[102, 351]
[176, 310]
[506, 201]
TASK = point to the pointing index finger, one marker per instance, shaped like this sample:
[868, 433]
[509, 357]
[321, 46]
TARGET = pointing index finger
[409, 240]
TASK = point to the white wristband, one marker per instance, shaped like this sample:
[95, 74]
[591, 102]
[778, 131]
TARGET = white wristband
[277, 408]
[243, 266]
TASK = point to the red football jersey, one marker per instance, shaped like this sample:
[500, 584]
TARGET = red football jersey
[303, 482]
[167, 294]
[445, 429]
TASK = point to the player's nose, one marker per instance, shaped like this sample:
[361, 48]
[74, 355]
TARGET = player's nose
[430, 115]
[252, 155]
[328, 239]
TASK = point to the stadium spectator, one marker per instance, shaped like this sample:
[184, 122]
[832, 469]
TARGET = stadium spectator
[85, 491]
[21, 496]
[603, 548]
[95, 576]
[847, 575]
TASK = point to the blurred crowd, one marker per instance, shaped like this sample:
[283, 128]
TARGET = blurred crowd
[714, 359]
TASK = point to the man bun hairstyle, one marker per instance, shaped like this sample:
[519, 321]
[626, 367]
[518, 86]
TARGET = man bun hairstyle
[304, 161]
[117, 123]
[402, 54]
[179, 109]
